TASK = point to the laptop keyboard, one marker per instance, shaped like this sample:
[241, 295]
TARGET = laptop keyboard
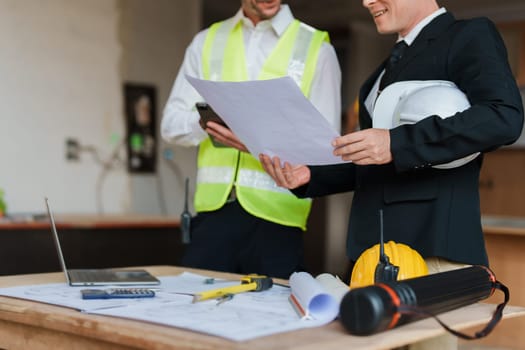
[91, 275]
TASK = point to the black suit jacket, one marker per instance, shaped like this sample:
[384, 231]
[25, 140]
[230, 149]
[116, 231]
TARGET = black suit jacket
[435, 211]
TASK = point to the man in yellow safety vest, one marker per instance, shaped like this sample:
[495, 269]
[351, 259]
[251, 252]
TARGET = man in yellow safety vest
[244, 222]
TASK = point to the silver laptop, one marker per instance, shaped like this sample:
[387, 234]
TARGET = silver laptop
[98, 277]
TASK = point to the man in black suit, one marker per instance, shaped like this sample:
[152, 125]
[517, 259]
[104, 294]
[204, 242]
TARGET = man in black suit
[436, 211]
[433, 209]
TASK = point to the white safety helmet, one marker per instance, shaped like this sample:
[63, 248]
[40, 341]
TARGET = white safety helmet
[408, 102]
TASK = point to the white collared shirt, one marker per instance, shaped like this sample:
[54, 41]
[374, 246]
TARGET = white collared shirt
[180, 120]
[409, 39]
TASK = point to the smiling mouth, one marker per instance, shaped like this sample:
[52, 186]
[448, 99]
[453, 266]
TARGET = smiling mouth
[380, 13]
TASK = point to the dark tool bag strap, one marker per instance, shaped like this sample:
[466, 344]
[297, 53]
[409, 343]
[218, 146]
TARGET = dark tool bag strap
[496, 317]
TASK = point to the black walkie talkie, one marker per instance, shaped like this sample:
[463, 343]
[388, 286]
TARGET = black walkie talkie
[385, 271]
[185, 218]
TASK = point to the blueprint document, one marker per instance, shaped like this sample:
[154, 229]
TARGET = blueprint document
[246, 316]
[272, 117]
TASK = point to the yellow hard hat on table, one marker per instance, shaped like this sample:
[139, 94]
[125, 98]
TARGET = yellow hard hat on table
[411, 263]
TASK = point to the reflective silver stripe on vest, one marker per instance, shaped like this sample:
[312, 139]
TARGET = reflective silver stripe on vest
[216, 174]
[217, 50]
[300, 52]
[258, 180]
[246, 178]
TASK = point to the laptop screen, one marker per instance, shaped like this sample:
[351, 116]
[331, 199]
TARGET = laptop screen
[56, 240]
[90, 277]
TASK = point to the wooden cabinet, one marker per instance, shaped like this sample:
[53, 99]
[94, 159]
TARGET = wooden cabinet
[117, 241]
[502, 183]
[502, 192]
[513, 34]
[505, 247]
[89, 242]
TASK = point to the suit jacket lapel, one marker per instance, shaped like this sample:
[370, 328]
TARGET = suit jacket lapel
[431, 31]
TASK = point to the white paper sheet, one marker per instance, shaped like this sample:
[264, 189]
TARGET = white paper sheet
[272, 117]
[246, 316]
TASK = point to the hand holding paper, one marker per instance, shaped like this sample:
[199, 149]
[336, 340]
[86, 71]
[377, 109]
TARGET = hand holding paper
[224, 135]
[286, 176]
[272, 117]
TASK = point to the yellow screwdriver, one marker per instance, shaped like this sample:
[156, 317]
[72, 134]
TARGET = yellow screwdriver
[250, 283]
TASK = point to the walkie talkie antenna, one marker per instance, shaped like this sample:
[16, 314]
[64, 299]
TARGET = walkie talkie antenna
[385, 271]
[186, 194]
[382, 256]
[185, 218]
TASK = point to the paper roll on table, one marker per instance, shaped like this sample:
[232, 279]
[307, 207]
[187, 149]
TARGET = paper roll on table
[334, 285]
[316, 298]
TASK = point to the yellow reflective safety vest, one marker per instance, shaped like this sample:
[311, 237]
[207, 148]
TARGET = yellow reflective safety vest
[219, 168]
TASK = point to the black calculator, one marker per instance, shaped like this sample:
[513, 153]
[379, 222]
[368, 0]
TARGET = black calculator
[113, 293]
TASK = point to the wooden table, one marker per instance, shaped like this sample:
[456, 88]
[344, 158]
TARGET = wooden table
[32, 325]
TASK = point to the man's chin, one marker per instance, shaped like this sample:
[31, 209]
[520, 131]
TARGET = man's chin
[385, 30]
[267, 13]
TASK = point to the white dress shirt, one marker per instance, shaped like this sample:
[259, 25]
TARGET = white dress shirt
[180, 121]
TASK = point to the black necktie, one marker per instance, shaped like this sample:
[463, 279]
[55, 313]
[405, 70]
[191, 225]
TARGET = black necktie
[395, 55]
